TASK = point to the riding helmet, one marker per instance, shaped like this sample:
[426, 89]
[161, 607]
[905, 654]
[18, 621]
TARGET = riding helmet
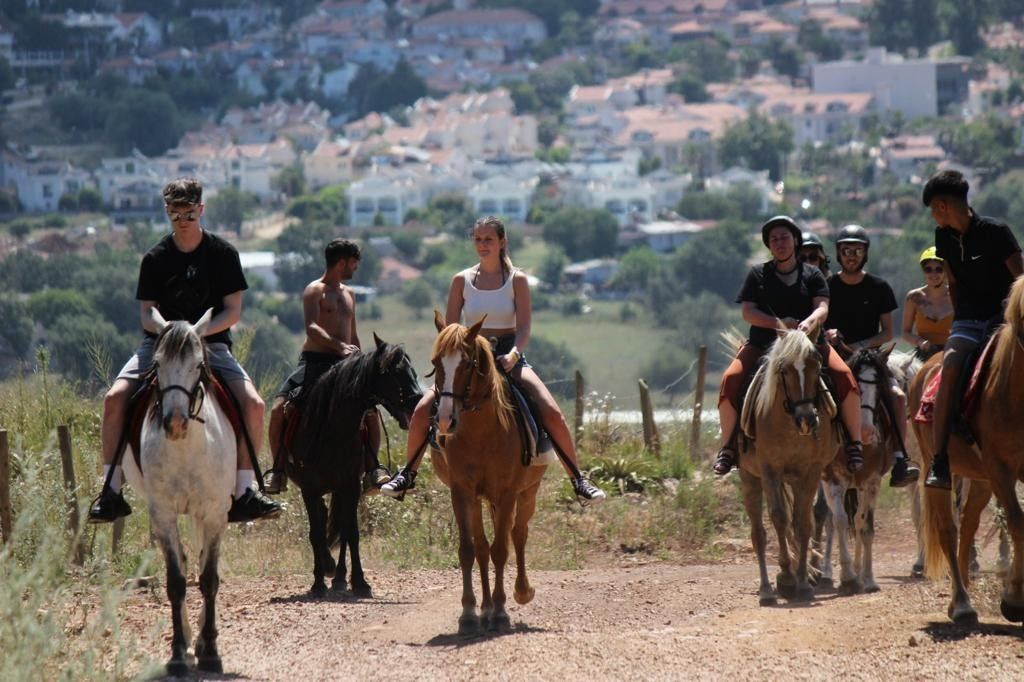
[853, 233]
[811, 239]
[782, 221]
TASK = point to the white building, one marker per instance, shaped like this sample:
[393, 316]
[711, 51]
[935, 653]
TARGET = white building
[665, 236]
[389, 196]
[504, 196]
[512, 27]
[41, 183]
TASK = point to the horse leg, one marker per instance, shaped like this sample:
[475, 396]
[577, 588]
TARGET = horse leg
[482, 552]
[917, 570]
[821, 520]
[503, 511]
[1004, 484]
[978, 495]
[752, 502]
[166, 525]
[779, 512]
[523, 593]
[803, 523]
[469, 621]
[316, 512]
[207, 657]
[350, 528]
[835, 491]
[941, 537]
[867, 496]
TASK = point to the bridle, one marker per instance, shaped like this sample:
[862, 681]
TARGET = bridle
[196, 395]
[462, 397]
[790, 405]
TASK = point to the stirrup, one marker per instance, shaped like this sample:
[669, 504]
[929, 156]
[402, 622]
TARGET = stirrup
[725, 461]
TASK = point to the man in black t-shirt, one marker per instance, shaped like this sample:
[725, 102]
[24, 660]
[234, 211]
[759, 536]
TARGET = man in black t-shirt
[860, 316]
[982, 259]
[185, 274]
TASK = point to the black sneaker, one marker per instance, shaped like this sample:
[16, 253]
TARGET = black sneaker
[938, 474]
[903, 472]
[403, 481]
[251, 506]
[108, 506]
[587, 492]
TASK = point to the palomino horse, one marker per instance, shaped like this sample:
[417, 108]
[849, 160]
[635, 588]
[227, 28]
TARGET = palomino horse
[793, 441]
[994, 464]
[855, 494]
[480, 460]
[186, 468]
[326, 456]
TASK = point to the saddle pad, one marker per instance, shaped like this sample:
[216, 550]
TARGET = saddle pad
[969, 404]
[138, 415]
[747, 420]
[537, 445]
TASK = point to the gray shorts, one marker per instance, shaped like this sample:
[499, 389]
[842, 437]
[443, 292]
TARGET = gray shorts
[218, 354]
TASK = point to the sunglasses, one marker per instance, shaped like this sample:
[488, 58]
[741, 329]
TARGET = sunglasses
[849, 251]
[188, 215]
[809, 258]
[932, 269]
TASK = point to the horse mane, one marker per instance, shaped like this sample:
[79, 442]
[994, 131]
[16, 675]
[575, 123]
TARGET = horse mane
[785, 351]
[454, 339]
[904, 367]
[1007, 338]
[176, 339]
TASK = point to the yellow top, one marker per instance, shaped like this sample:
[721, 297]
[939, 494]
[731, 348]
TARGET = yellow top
[935, 331]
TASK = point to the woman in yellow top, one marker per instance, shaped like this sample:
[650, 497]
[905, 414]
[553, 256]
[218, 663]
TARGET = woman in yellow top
[928, 310]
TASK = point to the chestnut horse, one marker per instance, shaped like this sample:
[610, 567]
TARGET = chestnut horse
[480, 459]
[794, 439]
[994, 465]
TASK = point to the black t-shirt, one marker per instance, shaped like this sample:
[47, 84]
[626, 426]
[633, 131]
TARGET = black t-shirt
[978, 262]
[856, 309]
[184, 285]
[771, 295]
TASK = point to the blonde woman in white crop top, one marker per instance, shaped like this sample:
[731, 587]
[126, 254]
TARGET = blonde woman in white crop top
[495, 288]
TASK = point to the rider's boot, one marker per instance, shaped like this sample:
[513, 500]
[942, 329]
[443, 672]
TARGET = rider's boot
[904, 472]
[108, 506]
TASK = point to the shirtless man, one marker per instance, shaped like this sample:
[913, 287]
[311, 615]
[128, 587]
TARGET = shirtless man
[329, 309]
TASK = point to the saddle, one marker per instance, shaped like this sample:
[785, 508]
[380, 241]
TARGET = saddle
[138, 407]
[537, 447]
[966, 395]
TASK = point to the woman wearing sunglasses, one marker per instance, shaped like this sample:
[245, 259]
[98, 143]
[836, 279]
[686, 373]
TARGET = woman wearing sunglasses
[812, 252]
[928, 311]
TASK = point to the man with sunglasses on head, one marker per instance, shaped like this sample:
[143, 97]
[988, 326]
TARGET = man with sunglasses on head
[860, 316]
[982, 258]
[183, 275]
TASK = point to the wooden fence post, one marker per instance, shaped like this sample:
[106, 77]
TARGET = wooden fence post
[698, 400]
[577, 420]
[651, 440]
[71, 491]
[5, 487]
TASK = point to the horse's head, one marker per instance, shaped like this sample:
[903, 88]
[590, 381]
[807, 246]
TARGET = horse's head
[794, 368]
[395, 384]
[179, 361]
[464, 372]
[871, 370]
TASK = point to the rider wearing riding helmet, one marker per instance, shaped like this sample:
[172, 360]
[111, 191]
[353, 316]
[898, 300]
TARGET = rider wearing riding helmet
[860, 316]
[813, 251]
[784, 294]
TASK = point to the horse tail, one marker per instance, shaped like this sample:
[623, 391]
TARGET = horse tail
[999, 376]
[936, 523]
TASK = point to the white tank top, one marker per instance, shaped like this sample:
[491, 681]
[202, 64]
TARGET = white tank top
[498, 304]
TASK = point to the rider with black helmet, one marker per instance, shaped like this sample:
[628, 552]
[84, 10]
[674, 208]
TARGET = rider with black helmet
[813, 251]
[860, 316]
[779, 295]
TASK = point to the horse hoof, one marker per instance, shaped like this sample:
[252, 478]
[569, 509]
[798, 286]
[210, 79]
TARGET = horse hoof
[848, 588]
[524, 597]
[210, 664]
[500, 623]
[363, 591]
[1012, 612]
[967, 616]
[872, 588]
[469, 625]
[824, 584]
[804, 593]
[177, 668]
[767, 600]
[785, 586]
[917, 572]
[319, 590]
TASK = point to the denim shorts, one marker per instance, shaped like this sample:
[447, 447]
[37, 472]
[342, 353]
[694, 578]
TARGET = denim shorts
[501, 345]
[218, 354]
[971, 330]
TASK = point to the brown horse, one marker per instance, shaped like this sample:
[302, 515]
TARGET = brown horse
[793, 441]
[481, 459]
[994, 464]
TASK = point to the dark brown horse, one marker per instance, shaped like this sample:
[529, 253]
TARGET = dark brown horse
[480, 461]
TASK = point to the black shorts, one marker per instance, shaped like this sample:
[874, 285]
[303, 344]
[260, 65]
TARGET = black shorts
[312, 365]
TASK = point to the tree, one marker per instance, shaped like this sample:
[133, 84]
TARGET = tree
[556, 362]
[710, 59]
[300, 258]
[77, 341]
[690, 86]
[639, 266]
[964, 26]
[551, 267]
[90, 200]
[16, 330]
[898, 24]
[812, 38]
[408, 244]
[714, 261]
[49, 305]
[147, 121]
[7, 77]
[757, 143]
[291, 181]
[228, 208]
[417, 295]
[786, 58]
[582, 232]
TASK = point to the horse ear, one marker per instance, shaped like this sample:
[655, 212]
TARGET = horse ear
[200, 327]
[377, 340]
[886, 349]
[157, 318]
[438, 320]
[475, 329]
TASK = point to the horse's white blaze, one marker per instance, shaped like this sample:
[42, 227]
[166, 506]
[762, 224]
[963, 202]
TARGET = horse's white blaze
[446, 407]
[800, 365]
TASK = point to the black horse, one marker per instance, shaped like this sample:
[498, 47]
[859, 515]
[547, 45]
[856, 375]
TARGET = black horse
[326, 452]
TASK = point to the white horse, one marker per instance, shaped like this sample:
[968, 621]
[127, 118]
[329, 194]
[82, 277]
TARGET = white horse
[186, 469]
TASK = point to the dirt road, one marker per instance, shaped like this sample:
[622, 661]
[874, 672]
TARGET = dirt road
[641, 619]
